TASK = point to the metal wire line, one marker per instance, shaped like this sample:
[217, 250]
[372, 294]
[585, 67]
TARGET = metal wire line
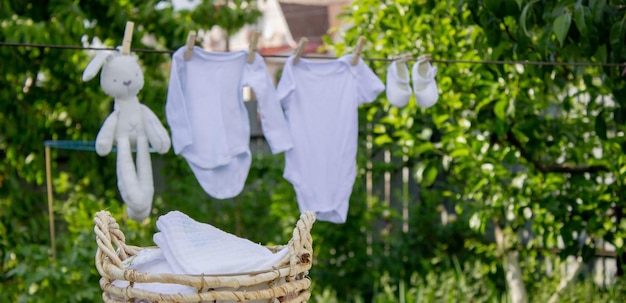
[492, 62]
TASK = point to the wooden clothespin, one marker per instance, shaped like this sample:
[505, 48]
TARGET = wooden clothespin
[300, 49]
[253, 46]
[424, 59]
[191, 41]
[402, 59]
[358, 50]
[128, 37]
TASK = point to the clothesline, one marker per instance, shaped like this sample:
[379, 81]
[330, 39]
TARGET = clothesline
[435, 60]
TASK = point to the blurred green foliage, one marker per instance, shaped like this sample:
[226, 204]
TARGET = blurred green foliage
[533, 150]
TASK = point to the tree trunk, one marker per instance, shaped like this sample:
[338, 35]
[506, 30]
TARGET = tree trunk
[514, 278]
[512, 270]
[620, 258]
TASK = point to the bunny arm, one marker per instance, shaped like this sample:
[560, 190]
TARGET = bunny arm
[106, 135]
[157, 134]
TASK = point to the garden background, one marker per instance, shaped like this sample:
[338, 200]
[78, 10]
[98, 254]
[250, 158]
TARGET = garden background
[510, 189]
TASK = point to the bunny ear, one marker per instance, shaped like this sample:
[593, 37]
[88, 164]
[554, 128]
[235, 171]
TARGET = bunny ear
[94, 66]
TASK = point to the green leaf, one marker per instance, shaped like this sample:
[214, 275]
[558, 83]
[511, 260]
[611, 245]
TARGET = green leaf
[600, 54]
[424, 147]
[616, 36]
[430, 174]
[459, 153]
[597, 9]
[600, 125]
[440, 119]
[561, 26]
[483, 103]
[579, 19]
[524, 16]
[382, 140]
[501, 108]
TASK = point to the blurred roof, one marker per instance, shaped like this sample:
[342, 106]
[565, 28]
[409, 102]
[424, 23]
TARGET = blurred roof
[282, 24]
[316, 2]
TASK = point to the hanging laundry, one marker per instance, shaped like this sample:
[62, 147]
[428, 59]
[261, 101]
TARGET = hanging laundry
[321, 102]
[424, 83]
[209, 122]
[398, 86]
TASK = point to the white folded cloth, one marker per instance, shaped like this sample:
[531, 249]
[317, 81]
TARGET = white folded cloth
[191, 247]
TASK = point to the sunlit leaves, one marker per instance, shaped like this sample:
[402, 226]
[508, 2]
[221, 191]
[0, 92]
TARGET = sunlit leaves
[522, 121]
[230, 17]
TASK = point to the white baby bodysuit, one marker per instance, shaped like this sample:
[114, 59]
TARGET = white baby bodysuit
[209, 122]
[321, 100]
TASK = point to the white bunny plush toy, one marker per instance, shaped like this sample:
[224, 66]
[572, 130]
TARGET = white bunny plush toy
[130, 125]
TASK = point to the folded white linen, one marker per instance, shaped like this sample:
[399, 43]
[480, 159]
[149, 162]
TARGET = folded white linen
[191, 247]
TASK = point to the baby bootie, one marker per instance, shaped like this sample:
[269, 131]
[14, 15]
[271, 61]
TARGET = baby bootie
[424, 84]
[398, 88]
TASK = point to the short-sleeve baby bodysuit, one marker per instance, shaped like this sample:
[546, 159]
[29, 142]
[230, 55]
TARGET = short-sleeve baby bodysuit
[321, 100]
[209, 122]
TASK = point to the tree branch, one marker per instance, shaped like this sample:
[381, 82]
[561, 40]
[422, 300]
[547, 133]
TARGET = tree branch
[508, 32]
[552, 168]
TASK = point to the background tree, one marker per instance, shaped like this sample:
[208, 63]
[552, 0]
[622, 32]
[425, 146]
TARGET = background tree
[43, 99]
[512, 146]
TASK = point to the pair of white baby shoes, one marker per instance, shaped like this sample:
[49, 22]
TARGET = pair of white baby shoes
[424, 84]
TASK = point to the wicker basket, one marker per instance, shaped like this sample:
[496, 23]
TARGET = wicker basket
[286, 282]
